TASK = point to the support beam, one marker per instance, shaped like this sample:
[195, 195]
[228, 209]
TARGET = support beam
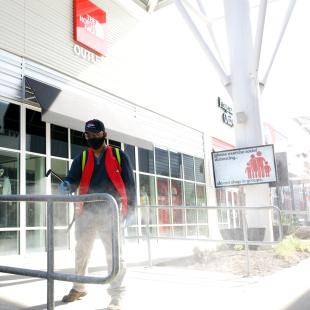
[204, 16]
[245, 96]
[245, 93]
[224, 78]
[259, 36]
[285, 23]
[201, 7]
[151, 5]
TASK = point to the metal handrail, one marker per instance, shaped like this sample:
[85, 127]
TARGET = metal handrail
[244, 242]
[50, 274]
[235, 208]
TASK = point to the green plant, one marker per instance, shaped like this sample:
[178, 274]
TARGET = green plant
[288, 247]
[291, 222]
[238, 247]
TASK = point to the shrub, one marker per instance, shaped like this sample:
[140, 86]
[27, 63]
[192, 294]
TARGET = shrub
[288, 247]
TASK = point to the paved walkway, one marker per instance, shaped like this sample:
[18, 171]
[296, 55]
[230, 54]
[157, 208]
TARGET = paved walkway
[167, 288]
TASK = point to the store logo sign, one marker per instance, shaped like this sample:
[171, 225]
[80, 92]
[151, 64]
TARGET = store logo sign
[89, 26]
[227, 116]
[86, 54]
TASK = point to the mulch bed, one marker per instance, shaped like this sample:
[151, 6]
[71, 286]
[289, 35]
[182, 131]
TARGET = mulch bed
[262, 262]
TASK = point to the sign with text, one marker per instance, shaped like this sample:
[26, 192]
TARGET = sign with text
[89, 26]
[227, 115]
[244, 166]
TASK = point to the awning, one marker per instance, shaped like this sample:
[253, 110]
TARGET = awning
[219, 145]
[71, 109]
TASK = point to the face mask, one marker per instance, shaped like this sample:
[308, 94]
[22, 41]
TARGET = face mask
[95, 143]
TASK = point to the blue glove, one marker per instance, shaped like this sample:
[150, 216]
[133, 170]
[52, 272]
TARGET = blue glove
[64, 187]
[130, 218]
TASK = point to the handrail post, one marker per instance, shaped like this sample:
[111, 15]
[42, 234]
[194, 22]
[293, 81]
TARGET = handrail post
[280, 225]
[246, 245]
[50, 255]
[116, 246]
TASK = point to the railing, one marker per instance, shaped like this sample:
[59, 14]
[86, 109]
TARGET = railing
[50, 274]
[245, 242]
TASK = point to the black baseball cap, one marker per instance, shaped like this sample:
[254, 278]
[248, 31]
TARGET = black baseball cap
[94, 125]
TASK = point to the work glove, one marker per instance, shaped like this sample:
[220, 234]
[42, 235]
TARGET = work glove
[130, 217]
[64, 187]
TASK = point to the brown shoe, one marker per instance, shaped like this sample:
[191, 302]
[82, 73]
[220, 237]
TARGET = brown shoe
[73, 295]
[115, 304]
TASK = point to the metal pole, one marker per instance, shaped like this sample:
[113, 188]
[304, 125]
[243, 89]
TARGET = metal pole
[245, 92]
[50, 255]
[245, 95]
[246, 246]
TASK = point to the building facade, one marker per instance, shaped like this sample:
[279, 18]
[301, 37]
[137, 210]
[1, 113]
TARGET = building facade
[50, 85]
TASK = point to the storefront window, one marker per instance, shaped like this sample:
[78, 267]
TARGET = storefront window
[9, 244]
[190, 197]
[147, 197]
[114, 143]
[35, 132]
[191, 215]
[9, 184]
[178, 213]
[188, 162]
[35, 184]
[176, 193]
[60, 167]
[35, 240]
[61, 210]
[78, 143]
[202, 213]
[163, 200]
[146, 161]
[162, 162]
[130, 151]
[162, 192]
[200, 170]
[221, 202]
[59, 141]
[147, 190]
[9, 125]
[201, 195]
[175, 165]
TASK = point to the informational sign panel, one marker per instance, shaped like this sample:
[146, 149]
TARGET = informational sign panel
[89, 26]
[244, 166]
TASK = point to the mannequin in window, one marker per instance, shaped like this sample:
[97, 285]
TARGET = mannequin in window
[144, 197]
[5, 184]
[5, 189]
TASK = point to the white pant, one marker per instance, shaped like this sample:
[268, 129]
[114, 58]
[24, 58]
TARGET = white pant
[97, 219]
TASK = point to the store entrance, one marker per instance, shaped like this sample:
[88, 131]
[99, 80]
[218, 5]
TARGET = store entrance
[229, 197]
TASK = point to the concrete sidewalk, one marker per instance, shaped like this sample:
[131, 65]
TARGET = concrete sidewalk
[167, 288]
[170, 288]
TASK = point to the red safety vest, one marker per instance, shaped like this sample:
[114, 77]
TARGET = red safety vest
[114, 171]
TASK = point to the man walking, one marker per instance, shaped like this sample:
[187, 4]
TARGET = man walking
[100, 169]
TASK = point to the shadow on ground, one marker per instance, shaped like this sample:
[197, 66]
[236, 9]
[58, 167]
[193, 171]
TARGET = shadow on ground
[9, 305]
[302, 303]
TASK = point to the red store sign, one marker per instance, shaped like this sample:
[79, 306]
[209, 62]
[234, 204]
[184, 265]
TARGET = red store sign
[89, 26]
